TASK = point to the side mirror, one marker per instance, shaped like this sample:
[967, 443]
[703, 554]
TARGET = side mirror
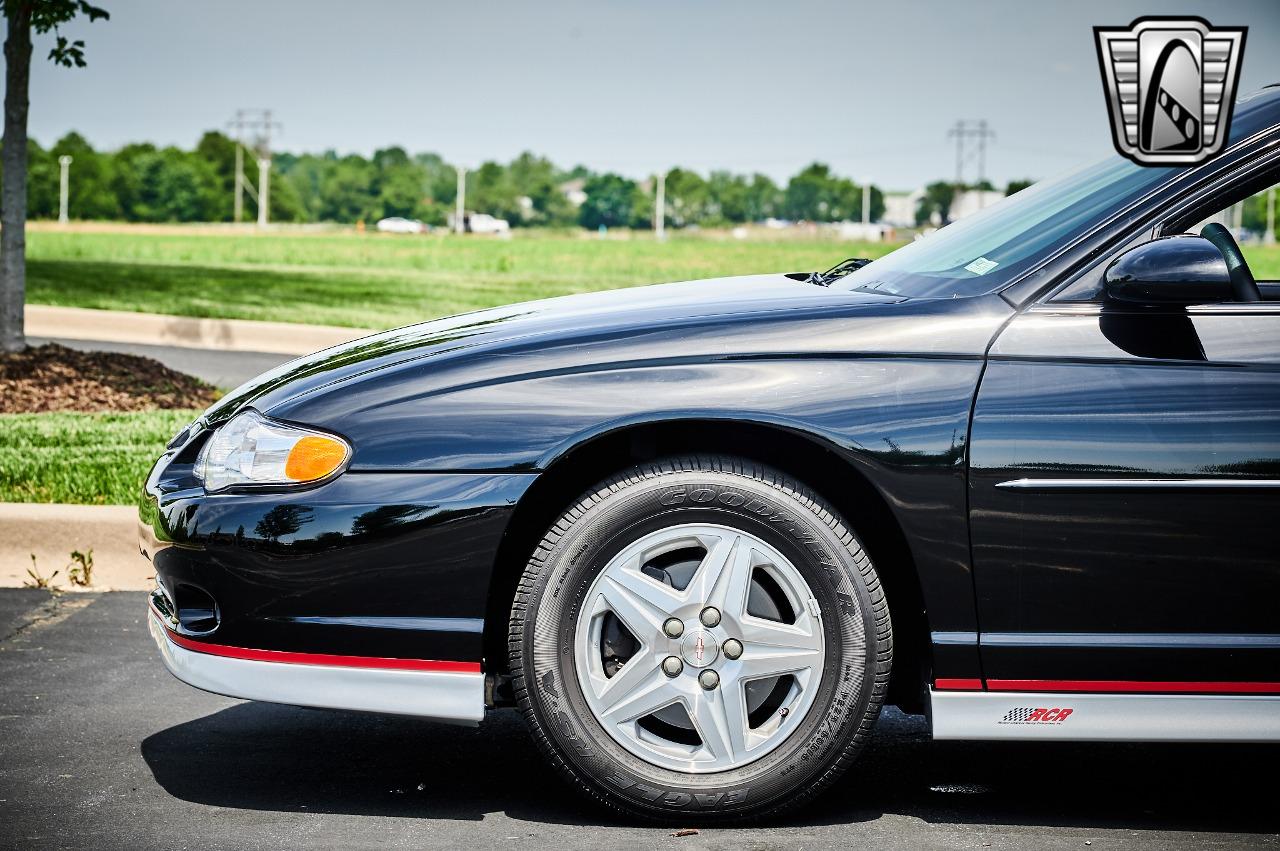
[1171, 270]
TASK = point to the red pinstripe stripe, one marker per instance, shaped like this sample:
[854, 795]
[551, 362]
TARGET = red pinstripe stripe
[1135, 686]
[383, 662]
[957, 684]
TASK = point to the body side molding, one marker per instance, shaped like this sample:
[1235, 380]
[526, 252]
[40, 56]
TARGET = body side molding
[1135, 484]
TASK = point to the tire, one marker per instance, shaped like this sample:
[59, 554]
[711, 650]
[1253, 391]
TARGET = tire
[761, 517]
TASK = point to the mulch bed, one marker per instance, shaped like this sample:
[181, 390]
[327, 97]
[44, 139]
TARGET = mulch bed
[55, 378]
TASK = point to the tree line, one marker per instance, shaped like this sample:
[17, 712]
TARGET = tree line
[145, 183]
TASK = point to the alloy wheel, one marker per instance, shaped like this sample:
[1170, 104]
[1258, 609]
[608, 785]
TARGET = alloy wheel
[699, 648]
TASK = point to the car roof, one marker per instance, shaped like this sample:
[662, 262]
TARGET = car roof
[1255, 112]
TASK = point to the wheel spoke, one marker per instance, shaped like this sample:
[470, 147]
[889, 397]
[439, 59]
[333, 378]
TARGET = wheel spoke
[624, 594]
[721, 720]
[771, 649]
[637, 690]
[724, 577]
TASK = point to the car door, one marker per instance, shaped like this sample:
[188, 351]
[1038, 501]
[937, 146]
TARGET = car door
[1125, 498]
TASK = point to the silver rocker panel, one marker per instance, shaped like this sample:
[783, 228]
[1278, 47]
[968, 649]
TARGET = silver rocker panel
[976, 715]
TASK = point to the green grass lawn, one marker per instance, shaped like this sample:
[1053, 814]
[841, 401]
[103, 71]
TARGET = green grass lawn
[336, 279]
[377, 281]
[383, 281]
[96, 459]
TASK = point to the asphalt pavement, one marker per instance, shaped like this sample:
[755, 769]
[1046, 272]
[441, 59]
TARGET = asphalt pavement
[101, 748]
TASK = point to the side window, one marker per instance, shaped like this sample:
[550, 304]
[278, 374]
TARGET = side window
[1252, 220]
[1251, 210]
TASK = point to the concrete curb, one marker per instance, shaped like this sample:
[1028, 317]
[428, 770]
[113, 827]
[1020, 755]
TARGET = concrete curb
[52, 531]
[152, 329]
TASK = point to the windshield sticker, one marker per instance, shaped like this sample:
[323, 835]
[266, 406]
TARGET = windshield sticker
[981, 266]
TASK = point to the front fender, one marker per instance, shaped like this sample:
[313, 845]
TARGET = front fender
[902, 421]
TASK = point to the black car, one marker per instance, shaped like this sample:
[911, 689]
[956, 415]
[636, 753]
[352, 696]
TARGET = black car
[1022, 475]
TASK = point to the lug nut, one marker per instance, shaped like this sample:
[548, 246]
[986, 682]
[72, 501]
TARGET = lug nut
[710, 616]
[731, 649]
[708, 679]
[672, 666]
[673, 627]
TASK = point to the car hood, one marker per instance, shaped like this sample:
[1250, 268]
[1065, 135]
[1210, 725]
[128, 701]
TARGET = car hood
[720, 312]
[577, 316]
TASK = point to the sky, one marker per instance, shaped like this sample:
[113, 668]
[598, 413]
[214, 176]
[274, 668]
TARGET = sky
[633, 87]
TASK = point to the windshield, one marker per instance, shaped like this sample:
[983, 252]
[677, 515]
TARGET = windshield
[984, 251]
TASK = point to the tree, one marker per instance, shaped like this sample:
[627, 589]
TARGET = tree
[398, 183]
[936, 200]
[23, 17]
[492, 191]
[1017, 186]
[726, 197]
[763, 199]
[687, 198]
[537, 179]
[610, 199]
[219, 151]
[808, 194]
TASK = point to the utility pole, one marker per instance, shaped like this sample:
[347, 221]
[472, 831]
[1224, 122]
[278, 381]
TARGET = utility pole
[264, 190]
[264, 170]
[1269, 238]
[866, 206]
[63, 186]
[660, 208]
[460, 201]
[238, 124]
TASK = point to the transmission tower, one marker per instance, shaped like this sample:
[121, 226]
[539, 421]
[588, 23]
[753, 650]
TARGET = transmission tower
[963, 132]
[252, 129]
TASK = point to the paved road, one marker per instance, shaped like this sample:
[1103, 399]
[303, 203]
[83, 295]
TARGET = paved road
[225, 369]
[101, 748]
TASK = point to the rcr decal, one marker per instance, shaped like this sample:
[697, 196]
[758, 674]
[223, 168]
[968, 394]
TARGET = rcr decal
[1035, 715]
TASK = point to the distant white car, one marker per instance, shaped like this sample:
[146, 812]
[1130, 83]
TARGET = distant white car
[399, 224]
[485, 223]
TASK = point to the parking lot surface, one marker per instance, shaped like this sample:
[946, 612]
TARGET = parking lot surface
[101, 748]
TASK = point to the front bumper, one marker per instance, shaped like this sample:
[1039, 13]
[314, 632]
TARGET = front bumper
[358, 683]
[368, 592]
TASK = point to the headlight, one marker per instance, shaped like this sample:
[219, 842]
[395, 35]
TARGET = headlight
[250, 449]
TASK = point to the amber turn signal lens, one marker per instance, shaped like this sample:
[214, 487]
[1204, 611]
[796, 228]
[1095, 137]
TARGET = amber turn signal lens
[314, 457]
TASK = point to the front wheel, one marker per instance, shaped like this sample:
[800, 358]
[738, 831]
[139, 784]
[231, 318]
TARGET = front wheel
[700, 634]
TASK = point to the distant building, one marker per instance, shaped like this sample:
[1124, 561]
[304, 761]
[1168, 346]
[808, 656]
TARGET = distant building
[972, 200]
[872, 232]
[900, 207]
[573, 191]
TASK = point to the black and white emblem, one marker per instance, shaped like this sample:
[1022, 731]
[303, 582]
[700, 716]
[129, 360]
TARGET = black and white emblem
[1170, 85]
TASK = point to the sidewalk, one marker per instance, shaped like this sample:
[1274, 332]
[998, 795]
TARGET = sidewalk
[239, 335]
[53, 531]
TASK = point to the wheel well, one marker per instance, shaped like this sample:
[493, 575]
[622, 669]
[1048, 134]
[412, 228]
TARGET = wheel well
[840, 483]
